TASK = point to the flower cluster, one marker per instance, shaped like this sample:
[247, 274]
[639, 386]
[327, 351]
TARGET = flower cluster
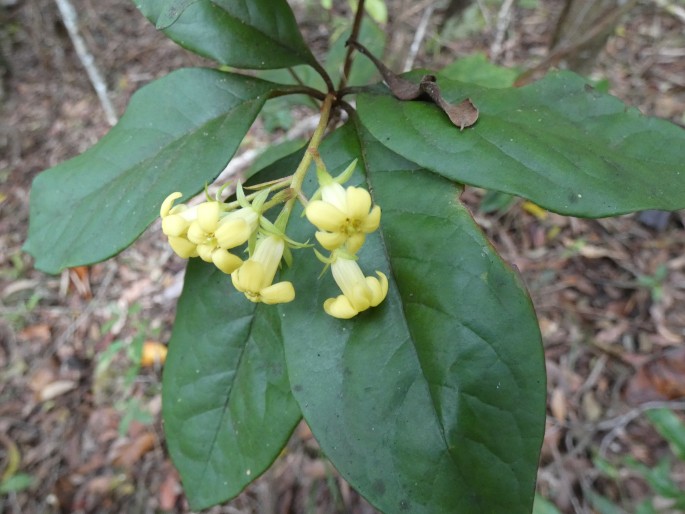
[210, 230]
[344, 216]
[213, 230]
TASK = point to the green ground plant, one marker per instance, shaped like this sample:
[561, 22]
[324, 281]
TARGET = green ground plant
[346, 283]
[667, 494]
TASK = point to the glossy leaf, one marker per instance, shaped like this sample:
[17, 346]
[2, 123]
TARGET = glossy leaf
[433, 401]
[258, 34]
[177, 134]
[556, 142]
[227, 406]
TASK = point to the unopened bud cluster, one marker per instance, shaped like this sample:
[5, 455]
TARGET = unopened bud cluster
[213, 231]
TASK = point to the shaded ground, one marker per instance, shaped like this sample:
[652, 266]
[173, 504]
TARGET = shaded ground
[84, 418]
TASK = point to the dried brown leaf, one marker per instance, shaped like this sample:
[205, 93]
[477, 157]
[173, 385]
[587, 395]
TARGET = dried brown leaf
[40, 332]
[55, 389]
[462, 115]
[660, 379]
[129, 453]
[169, 490]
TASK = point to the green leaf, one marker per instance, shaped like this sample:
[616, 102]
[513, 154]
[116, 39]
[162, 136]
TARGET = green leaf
[476, 69]
[556, 142]
[669, 425]
[227, 405]
[494, 201]
[377, 10]
[544, 506]
[273, 153]
[602, 504]
[258, 34]
[177, 134]
[433, 401]
[363, 71]
[16, 483]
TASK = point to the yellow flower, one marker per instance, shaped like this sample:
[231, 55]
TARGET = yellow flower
[359, 292]
[215, 235]
[205, 230]
[176, 220]
[343, 216]
[255, 277]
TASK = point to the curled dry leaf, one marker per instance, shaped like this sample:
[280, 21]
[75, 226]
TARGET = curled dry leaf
[463, 115]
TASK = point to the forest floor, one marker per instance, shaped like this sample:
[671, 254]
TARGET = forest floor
[80, 428]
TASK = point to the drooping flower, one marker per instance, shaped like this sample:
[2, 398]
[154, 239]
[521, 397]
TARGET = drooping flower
[343, 216]
[359, 292]
[255, 277]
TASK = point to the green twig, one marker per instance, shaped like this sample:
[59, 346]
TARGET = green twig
[313, 147]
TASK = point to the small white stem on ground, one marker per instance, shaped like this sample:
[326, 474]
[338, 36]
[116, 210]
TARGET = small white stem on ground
[418, 37]
[71, 23]
[503, 21]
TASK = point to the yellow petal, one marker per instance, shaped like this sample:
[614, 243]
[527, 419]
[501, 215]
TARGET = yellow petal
[347, 274]
[282, 292]
[226, 261]
[360, 297]
[232, 233]
[249, 277]
[331, 240]
[174, 225]
[205, 252]
[196, 234]
[208, 216]
[358, 203]
[372, 221]
[182, 247]
[325, 216]
[355, 242]
[378, 287]
[339, 307]
[335, 195]
[268, 253]
[168, 203]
